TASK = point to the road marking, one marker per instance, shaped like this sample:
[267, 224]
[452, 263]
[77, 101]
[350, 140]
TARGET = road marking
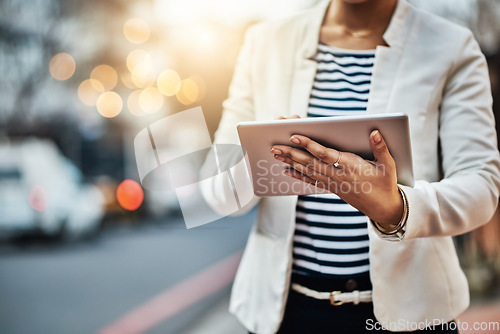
[177, 298]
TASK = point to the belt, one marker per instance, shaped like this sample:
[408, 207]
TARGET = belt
[336, 297]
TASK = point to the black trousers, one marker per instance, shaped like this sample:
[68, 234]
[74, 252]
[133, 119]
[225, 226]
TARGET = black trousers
[306, 315]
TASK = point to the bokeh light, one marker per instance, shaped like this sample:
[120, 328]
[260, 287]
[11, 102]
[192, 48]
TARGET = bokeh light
[38, 198]
[89, 91]
[126, 79]
[136, 30]
[139, 62]
[129, 195]
[133, 103]
[150, 100]
[106, 75]
[169, 82]
[202, 87]
[143, 80]
[189, 92]
[62, 66]
[109, 104]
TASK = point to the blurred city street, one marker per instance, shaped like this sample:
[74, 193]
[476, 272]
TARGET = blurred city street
[87, 286]
[90, 241]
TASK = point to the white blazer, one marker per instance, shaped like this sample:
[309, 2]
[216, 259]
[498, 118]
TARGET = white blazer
[433, 71]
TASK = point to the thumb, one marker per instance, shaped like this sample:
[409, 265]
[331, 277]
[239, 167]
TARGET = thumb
[379, 148]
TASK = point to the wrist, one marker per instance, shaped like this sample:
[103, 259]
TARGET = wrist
[391, 226]
[396, 214]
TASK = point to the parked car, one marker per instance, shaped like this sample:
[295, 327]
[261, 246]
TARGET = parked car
[41, 191]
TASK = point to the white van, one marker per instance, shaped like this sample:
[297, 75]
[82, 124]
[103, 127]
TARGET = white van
[42, 191]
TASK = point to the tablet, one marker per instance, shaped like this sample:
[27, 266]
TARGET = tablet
[344, 133]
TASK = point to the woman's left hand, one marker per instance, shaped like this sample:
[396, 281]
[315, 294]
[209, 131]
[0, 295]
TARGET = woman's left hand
[369, 186]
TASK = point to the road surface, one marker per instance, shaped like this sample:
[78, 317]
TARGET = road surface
[93, 287]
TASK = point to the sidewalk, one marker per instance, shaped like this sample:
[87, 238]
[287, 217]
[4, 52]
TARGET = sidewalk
[483, 314]
[218, 320]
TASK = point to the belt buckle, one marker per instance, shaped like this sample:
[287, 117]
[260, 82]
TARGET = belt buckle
[332, 298]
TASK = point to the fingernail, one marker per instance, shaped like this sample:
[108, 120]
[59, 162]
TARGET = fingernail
[295, 140]
[278, 157]
[377, 138]
[276, 151]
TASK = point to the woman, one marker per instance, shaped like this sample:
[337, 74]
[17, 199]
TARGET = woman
[398, 269]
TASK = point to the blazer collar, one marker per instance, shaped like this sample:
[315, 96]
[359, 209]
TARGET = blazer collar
[311, 40]
[392, 36]
[385, 67]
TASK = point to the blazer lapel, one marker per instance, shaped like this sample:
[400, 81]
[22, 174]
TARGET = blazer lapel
[387, 60]
[304, 62]
[385, 69]
[301, 87]
[383, 76]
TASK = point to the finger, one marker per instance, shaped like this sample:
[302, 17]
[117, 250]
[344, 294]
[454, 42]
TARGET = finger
[321, 184]
[328, 155]
[294, 116]
[294, 155]
[318, 172]
[379, 148]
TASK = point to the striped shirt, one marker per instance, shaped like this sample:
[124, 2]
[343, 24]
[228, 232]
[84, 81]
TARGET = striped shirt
[331, 236]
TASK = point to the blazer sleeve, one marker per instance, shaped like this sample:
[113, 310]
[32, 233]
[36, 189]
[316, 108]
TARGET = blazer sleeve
[238, 107]
[468, 194]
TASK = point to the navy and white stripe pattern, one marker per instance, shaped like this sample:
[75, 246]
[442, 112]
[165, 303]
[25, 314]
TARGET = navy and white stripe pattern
[331, 236]
[342, 82]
